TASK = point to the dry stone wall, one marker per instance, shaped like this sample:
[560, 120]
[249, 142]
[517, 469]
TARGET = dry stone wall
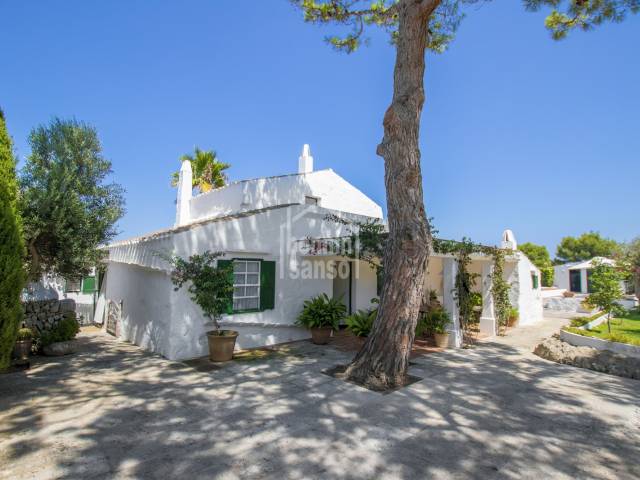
[43, 315]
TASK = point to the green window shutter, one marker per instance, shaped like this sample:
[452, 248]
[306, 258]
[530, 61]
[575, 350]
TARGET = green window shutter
[88, 284]
[267, 285]
[534, 277]
[228, 264]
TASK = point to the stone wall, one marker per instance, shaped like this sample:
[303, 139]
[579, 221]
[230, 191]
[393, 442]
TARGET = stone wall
[43, 315]
[554, 349]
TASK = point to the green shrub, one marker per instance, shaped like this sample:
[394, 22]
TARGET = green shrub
[434, 321]
[11, 250]
[547, 276]
[24, 334]
[321, 311]
[65, 330]
[360, 323]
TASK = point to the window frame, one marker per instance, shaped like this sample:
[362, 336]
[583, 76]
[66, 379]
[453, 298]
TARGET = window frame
[245, 285]
[69, 290]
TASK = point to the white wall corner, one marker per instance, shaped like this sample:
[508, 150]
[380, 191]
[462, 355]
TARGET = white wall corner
[185, 192]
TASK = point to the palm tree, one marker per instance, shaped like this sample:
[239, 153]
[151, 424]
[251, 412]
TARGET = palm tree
[208, 171]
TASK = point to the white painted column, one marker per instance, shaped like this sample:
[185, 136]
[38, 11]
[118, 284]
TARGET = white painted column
[488, 317]
[185, 192]
[449, 272]
[584, 281]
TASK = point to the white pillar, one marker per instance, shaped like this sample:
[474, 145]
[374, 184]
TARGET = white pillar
[488, 318]
[185, 189]
[449, 272]
[584, 280]
[305, 161]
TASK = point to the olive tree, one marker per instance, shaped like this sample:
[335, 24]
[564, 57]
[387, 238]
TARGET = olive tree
[416, 26]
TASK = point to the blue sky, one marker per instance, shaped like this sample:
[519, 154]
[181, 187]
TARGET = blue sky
[518, 131]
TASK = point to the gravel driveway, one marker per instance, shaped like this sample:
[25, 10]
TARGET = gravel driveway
[495, 411]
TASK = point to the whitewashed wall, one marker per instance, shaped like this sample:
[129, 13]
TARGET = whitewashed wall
[168, 322]
[331, 189]
[52, 288]
[528, 300]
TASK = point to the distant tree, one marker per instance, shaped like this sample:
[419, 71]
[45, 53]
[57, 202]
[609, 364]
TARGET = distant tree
[68, 210]
[416, 26]
[539, 256]
[208, 171]
[605, 287]
[11, 249]
[630, 258]
[585, 247]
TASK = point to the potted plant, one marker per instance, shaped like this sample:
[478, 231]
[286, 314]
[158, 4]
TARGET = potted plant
[211, 288]
[514, 315]
[436, 322]
[22, 348]
[321, 315]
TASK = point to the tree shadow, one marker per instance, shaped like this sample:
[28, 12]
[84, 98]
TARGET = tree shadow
[114, 410]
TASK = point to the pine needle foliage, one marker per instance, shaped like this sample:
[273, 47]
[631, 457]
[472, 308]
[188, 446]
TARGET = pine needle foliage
[11, 249]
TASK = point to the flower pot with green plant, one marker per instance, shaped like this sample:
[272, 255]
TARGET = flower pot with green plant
[321, 315]
[211, 288]
[22, 347]
[514, 315]
[435, 323]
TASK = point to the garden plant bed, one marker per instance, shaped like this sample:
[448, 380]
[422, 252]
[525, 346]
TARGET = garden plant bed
[345, 341]
[624, 329]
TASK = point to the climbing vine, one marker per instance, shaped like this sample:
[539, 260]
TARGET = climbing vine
[366, 241]
[500, 291]
[463, 291]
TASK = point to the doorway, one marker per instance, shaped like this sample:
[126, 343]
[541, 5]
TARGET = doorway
[575, 281]
[342, 284]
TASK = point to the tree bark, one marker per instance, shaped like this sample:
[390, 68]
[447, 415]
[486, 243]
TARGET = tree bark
[383, 361]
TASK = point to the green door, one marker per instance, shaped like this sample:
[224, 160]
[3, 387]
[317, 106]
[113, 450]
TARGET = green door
[575, 281]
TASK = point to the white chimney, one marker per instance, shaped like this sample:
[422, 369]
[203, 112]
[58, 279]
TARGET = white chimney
[509, 240]
[305, 161]
[185, 191]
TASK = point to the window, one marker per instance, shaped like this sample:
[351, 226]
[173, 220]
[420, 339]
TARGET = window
[89, 285]
[73, 285]
[311, 200]
[535, 281]
[246, 285]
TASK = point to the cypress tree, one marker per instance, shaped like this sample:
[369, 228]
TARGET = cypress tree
[11, 249]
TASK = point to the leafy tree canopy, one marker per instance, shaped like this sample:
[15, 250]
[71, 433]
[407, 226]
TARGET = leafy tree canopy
[208, 171]
[606, 290]
[585, 247]
[538, 254]
[630, 261]
[68, 208]
[564, 16]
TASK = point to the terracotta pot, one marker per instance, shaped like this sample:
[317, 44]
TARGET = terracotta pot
[321, 336]
[512, 322]
[21, 351]
[221, 344]
[442, 340]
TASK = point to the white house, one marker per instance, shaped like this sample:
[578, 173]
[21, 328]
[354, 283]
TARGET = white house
[574, 276]
[262, 225]
[82, 291]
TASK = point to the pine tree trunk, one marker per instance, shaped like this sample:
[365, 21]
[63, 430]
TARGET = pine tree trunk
[384, 359]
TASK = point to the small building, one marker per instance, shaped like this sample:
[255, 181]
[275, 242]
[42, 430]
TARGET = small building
[575, 276]
[83, 291]
[262, 226]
